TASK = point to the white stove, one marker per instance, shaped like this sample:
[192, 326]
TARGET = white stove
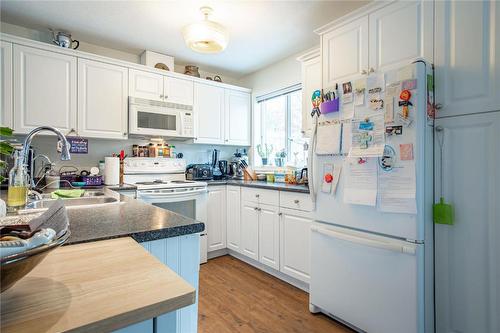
[162, 183]
[157, 173]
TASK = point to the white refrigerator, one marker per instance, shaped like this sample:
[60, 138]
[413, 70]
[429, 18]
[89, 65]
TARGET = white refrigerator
[372, 270]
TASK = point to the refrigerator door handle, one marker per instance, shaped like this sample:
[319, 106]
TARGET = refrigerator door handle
[390, 246]
[310, 161]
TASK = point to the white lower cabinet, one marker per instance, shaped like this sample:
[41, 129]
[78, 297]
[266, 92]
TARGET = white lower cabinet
[216, 218]
[269, 236]
[233, 219]
[250, 230]
[295, 247]
[276, 235]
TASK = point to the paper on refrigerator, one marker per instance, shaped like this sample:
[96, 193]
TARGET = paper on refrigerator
[397, 189]
[360, 181]
[368, 138]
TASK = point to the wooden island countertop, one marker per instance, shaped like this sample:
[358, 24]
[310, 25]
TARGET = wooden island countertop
[93, 287]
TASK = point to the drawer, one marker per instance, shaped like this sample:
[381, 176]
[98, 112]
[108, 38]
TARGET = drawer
[294, 200]
[258, 195]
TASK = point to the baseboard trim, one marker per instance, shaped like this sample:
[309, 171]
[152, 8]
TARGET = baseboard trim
[288, 279]
[217, 253]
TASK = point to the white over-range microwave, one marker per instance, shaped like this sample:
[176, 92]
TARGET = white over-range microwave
[156, 118]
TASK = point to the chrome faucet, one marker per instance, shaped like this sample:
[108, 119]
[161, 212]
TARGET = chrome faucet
[32, 166]
[65, 155]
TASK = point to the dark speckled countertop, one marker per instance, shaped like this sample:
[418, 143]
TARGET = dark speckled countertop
[129, 217]
[261, 184]
[126, 218]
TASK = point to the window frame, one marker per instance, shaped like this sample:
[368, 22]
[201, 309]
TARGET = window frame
[288, 121]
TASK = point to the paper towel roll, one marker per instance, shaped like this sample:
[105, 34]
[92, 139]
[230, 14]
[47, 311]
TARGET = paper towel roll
[111, 170]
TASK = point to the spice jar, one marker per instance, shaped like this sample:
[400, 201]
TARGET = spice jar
[135, 150]
[152, 150]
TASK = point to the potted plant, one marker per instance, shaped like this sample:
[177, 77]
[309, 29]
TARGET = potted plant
[280, 158]
[5, 150]
[264, 151]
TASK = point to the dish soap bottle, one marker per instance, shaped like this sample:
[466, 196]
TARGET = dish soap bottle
[18, 183]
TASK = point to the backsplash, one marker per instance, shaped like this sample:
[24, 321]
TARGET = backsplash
[99, 148]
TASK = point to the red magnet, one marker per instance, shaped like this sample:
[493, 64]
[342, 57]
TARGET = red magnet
[328, 178]
[405, 102]
[405, 95]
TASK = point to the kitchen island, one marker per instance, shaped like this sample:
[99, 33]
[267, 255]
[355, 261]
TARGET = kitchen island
[93, 287]
[172, 238]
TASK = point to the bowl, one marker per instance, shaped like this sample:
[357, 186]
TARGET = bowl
[16, 266]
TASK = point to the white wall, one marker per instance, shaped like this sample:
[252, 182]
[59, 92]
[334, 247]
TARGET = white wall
[99, 148]
[282, 74]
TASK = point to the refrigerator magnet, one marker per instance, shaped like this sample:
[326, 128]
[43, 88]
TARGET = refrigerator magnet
[406, 151]
[388, 159]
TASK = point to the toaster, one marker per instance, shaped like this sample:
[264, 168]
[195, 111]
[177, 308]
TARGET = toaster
[199, 172]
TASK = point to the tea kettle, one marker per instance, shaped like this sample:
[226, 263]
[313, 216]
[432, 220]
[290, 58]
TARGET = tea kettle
[63, 39]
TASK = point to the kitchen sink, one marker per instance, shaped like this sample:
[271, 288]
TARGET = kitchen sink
[89, 199]
[86, 194]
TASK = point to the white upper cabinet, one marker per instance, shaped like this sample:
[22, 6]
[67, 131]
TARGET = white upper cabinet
[467, 57]
[233, 233]
[344, 51]
[216, 218]
[383, 37]
[178, 90]
[209, 113]
[44, 89]
[400, 33]
[237, 118]
[311, 81]
[102, 100]
[6, 111]
[159, 87]
[145, 85]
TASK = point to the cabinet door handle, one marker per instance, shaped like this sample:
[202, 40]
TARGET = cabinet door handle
[372, 70]
[364, 72]
[439, 106]
[259, 209]
[280, 214]
[255, 208]
[161, 96]
[296, 201]
[124, 133]
[165, 97]
[257, 195]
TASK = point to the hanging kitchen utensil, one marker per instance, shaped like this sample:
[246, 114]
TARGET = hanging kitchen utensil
[442, 212]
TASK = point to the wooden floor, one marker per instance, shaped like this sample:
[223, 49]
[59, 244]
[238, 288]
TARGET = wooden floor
[236, 297]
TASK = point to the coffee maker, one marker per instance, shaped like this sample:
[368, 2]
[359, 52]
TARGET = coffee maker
[220, 168]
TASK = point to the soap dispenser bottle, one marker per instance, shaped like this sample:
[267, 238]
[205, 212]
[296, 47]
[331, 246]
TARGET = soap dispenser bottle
[18, 183]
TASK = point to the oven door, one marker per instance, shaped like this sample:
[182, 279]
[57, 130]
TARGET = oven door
[155, 120]
[189, 202]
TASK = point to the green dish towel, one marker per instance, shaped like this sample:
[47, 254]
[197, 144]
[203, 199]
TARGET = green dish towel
[67, 194]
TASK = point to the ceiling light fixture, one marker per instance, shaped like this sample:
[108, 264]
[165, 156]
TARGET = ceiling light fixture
[206, 36]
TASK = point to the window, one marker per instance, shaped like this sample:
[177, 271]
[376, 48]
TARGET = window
[278, 127]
